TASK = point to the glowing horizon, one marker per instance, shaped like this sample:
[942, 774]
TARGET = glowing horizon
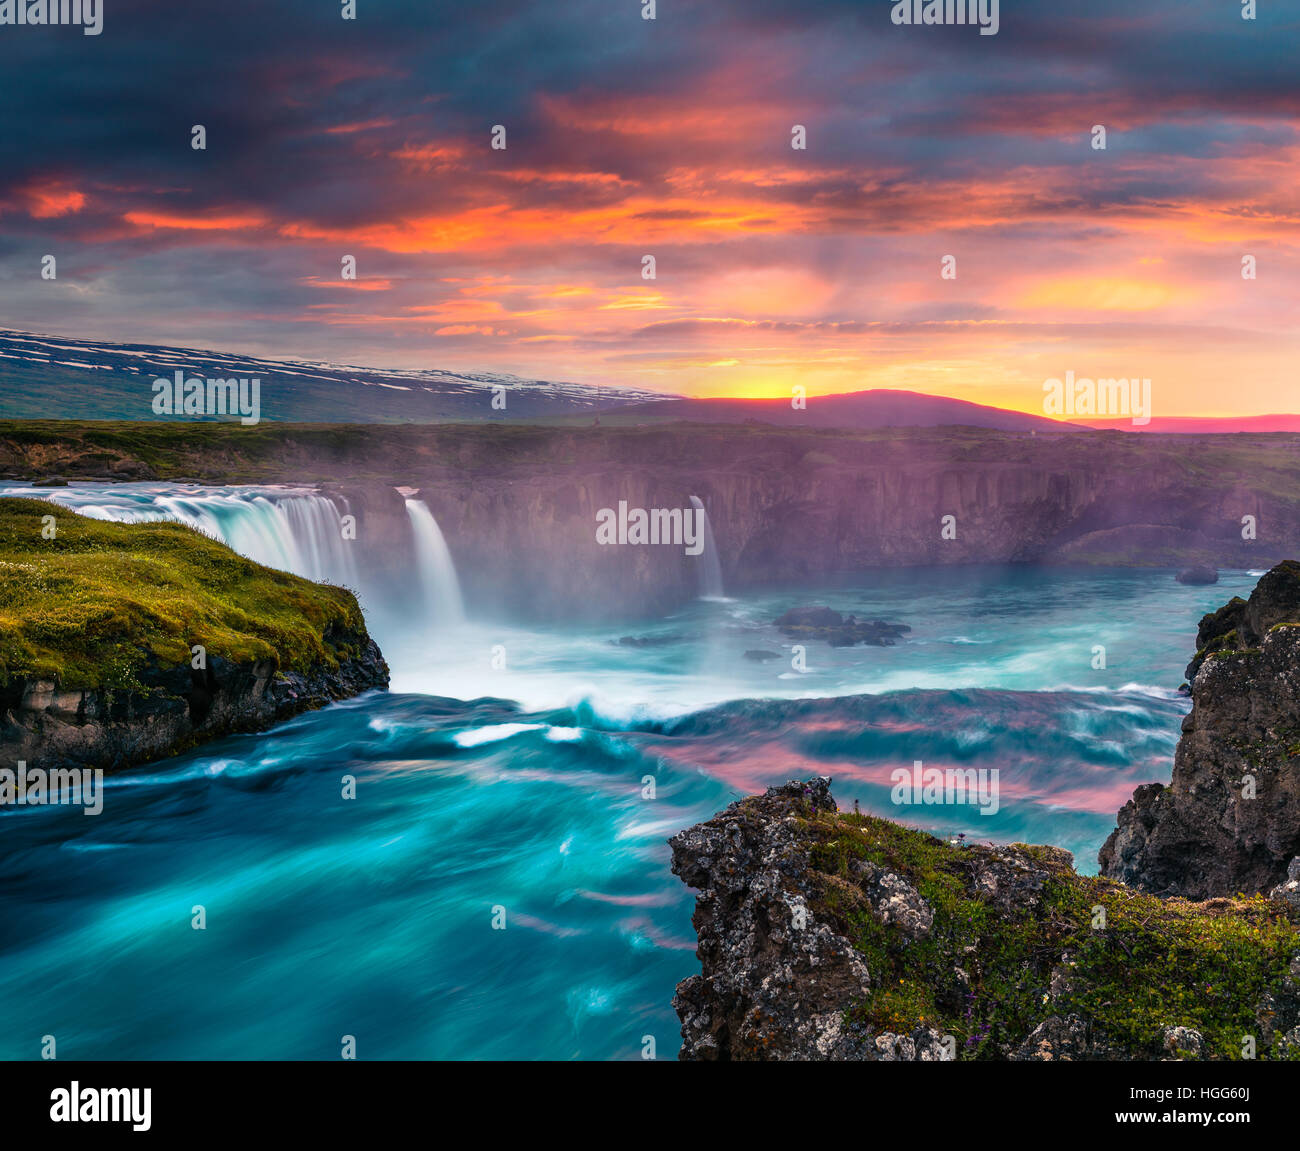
[776, 267]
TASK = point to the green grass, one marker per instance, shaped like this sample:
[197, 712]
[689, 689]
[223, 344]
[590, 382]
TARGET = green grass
[1157, 963]
[100, 603]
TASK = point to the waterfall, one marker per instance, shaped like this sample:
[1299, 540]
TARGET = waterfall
[299, 533]
[292, 530]
[711, 569]
[295, 530]
[299, 530]
[437, 573]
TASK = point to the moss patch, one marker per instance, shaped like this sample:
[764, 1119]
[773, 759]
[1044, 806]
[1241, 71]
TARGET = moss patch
[99, 603]
[1154, 964]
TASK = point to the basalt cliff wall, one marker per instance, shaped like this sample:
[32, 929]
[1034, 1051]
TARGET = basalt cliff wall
[1230, 819]
[172, 709]
[518, 504]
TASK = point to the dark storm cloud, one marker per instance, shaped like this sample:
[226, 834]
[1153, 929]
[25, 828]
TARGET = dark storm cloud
[268, 80]
[371, 137]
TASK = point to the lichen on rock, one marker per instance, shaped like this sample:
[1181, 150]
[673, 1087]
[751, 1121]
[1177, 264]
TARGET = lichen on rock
[828, 935]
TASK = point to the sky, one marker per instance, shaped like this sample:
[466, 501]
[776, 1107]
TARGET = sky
[775, 267]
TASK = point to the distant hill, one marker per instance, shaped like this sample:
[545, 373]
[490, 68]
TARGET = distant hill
[51, 377]
[878, 408]
[884, 408]
[44, 377]
[1202, 425]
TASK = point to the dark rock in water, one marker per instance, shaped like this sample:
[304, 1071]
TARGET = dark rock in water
[762, 656]
[809, 623]
[647, 640]
[1198, 575]
[50, 482]
[810, 617]
[827, 936]
[1230, 820]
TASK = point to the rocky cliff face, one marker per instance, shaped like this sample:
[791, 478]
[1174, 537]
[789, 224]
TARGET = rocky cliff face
[173, 708]
[832, 936]
[777, 981]
[1230, 820]
[518, 503]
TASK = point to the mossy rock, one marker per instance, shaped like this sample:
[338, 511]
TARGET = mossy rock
[99, 603]
[1128, 963]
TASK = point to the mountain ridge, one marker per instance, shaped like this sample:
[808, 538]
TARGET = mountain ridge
[44, 376]
[100, 380]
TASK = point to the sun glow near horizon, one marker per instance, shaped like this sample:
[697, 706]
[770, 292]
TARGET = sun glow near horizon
[775, 266]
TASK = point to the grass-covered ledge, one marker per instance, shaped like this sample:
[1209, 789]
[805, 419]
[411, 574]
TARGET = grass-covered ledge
[834, 935]
[99, 601]
[99, 626]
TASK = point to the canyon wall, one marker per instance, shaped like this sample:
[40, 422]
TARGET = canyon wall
[518, 503]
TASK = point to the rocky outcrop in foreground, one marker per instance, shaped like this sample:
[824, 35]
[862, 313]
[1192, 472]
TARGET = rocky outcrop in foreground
[1230, 820]
[834, 936]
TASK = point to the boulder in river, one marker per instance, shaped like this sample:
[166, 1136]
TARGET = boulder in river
[818, 622]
